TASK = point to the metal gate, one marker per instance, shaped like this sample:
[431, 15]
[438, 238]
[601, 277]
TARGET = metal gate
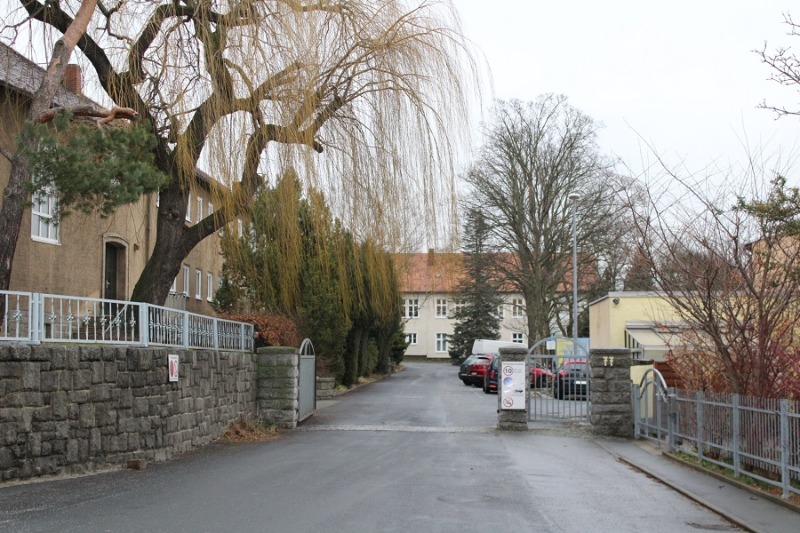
[652, 417]
[307, 400]
[560, 386]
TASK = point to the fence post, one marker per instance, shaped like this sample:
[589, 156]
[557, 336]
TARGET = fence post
[36, 320]
[216, 334]
[185, 335]
[736, 436]
[144, 325]
[672, 419]
[785, 474]
[636, 410]
[699, 397]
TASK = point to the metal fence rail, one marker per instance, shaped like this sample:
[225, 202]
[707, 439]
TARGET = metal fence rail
[757, 437]
[37, 318]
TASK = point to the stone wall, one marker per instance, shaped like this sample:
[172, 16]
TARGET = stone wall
[325, 388]
[73, 409]
[278, 385]
[612, 411]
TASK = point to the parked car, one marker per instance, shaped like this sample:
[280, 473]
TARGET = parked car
[540, 375]
[472, 370]
[490, 377]
[572, 379]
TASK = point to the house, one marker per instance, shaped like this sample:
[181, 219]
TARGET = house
[88, 255]
[645, 322]
[428, 288]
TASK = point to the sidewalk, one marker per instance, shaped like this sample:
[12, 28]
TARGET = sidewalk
[749, 511]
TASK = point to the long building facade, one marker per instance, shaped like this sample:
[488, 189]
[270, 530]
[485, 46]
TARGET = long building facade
[428, 287]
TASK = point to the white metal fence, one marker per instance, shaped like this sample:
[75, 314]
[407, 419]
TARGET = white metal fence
[36, 318]
[757, 437]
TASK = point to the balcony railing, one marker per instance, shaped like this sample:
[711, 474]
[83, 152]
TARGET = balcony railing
[40, 318]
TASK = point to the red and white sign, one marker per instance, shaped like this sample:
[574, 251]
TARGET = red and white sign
[173, 363]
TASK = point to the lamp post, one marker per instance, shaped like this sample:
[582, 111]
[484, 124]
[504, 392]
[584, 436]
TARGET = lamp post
[573, 198]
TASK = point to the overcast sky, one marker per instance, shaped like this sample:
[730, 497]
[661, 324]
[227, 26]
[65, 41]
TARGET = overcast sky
[679, 75]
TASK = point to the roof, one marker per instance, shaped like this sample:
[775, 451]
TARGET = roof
[429, 272]
[25, 76]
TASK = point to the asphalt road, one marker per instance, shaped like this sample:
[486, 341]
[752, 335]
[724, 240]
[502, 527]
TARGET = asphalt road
[414, 452]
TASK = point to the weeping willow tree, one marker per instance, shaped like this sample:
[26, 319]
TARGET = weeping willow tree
[296, 260]
[365, 98]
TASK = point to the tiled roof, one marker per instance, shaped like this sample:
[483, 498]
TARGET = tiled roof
[23, 75]
[430, 272]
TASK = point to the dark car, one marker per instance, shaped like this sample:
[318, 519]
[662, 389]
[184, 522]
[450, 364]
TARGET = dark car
[572, 379]
[473, 368]
[490, 377]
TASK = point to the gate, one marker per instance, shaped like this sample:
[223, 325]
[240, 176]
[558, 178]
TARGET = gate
[652, 417]
[307, 397]
[560, 387]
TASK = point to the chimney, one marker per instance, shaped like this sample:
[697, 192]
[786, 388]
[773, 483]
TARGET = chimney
[73, 79]
[431, 257]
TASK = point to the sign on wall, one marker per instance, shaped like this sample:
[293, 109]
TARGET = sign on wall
[173, 363]
[512, 385]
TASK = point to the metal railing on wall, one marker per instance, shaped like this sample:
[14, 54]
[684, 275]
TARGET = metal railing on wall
[756, 437]
[36, 318]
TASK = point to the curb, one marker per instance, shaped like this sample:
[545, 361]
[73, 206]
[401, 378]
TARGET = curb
[689, 494]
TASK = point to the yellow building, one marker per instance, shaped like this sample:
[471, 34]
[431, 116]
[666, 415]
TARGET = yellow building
[87, 255]
[645, 322]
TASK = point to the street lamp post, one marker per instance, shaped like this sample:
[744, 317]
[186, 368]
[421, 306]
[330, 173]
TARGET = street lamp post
[573, 197]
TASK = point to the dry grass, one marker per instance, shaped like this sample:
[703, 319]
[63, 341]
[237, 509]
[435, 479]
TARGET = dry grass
[246, 431]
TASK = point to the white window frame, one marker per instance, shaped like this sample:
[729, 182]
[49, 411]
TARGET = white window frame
[174, 287]
[44, 218]
[411, 339]
[199, 208]
[441, 307]
[198, 282]
[517, 308]
[189, 209]
[411, 308]
[501, 311]
[186, 280]
[518, 337]
[441, 343]
[209, 286]
[209, 208]
[240, 227]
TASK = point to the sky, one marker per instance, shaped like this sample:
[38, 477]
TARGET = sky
[678, 79]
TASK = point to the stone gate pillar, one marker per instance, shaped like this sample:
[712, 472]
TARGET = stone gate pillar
[278, 386]
[514, 418]
[612, 411]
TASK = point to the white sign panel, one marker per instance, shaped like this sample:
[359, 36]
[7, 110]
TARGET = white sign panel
[512, 385]
[173, 363]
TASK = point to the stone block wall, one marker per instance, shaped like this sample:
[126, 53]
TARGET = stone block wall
[278, 386]
[73, 409]
[325, 388]
[612, 411]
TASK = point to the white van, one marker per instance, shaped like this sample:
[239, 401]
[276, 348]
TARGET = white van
[484, 346]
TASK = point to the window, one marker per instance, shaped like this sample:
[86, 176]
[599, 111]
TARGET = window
[460, 304]
[185, 280]
[199, 209]
[501, 311]
[240, 227]
[517, 337]
[198, 284]
[219, 280]
[174, 287]
[411, 308]
[441, 307]
[209, 286]
[441, 342]
[189, 208]
[518, 310]
[210, 208]
[43, 221]
[411, 338]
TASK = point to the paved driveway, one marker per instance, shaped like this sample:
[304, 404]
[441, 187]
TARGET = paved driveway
[414, 452]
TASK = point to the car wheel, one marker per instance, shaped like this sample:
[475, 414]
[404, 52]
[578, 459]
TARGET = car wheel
[465, 382]
[486, 388]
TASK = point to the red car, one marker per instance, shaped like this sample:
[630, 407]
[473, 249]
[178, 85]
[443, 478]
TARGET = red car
[540, 376]
[474, 368]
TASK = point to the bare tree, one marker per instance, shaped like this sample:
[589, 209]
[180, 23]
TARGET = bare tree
[535, 155]
[731, 275]
[243, 89]
[785, 67]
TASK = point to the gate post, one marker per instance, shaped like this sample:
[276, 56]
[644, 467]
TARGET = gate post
[610, 383]
[511, 414]
[278, 385]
